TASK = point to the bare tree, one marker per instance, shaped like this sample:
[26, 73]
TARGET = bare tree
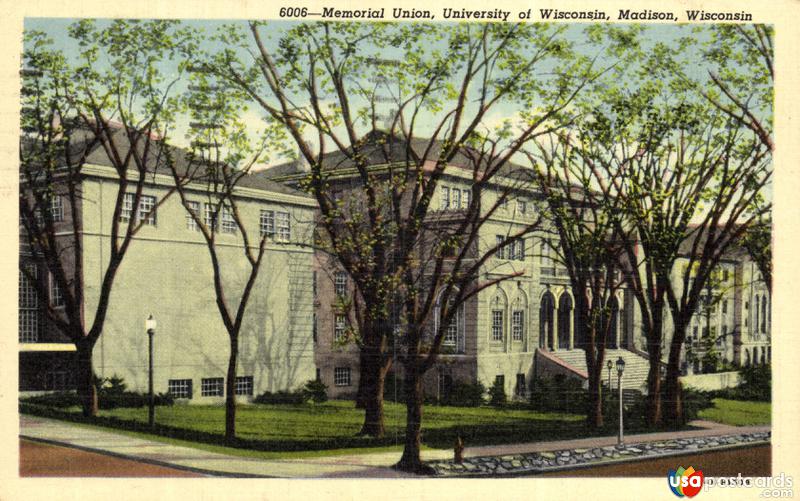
[215, 169]
[585, 214]
[75, 113]
[332, 88]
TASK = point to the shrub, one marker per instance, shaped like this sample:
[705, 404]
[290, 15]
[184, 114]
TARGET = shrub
[316, 391]
[282, 397]
[112, 393]
[497, 394]
[756, 383]
[559, 393]
[695, 401]
[59, 400]
[465, 394]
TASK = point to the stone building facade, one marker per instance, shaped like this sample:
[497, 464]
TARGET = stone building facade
[167, 273]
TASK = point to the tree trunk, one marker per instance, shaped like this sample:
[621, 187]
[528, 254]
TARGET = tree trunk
[653, 401]
[373, 400]
[594, 415]
[87, 390]
[230, 393]
[366, 378]
[410, 461]
[672, 399]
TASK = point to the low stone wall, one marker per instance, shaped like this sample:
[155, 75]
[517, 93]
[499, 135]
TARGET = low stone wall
[566, 459]
[709, 382]
[548, 366]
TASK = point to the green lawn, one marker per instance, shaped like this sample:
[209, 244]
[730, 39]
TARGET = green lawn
[271, 431]
[738, 412]
[334, 425]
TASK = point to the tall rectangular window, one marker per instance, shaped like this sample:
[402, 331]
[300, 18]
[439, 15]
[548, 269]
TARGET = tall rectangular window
[341, 376]
[451, 333]
[456, 202]
[522, 206]
[147, 210]
[192, 208]
[28, 307]
[212, 387]
[724, 306]
[180, 388]
[521, 250]
[56, 294]
[314, 328]
[126, 211]
[282, 227]
[517, 325]
[501, 251]
[267, 223]
[228, 220]
[497, 325]
[465, 198]
[340, 283]
[445, 202]
[210, 216]
[57, 209]
[243, 385]
[339, 328]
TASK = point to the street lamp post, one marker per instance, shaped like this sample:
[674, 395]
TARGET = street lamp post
[620, 370]
[150, 325]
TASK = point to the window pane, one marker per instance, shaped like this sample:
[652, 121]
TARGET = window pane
[127, 208]
[445, 202]
[340, 283]
[28, 307]
[341, 376]
[243, 385]
[194, 208]
[180, 388]
[497, 325]
[267, 223]
[212, 387]
[283, 227]
[339, 328]
[228, 220]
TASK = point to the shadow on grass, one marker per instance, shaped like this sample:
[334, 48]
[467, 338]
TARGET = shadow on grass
[518, 430]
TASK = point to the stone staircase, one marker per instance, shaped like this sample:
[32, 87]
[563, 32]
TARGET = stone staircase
[636, 367]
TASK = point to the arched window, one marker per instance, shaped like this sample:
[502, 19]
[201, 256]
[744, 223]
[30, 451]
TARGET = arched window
[763, 314]
[747, 358]
[755, 312]
[454, 332]
[564, 321]
[546, 321]
[498, 317]
[519, 307]
[763, 355]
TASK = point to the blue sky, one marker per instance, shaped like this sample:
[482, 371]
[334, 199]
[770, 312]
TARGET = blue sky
[57, 29]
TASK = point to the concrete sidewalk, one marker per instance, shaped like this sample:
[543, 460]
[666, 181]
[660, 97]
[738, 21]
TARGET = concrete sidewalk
[375, 465]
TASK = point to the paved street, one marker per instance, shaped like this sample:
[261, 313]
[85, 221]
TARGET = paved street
[187, 459]
[45, 460]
